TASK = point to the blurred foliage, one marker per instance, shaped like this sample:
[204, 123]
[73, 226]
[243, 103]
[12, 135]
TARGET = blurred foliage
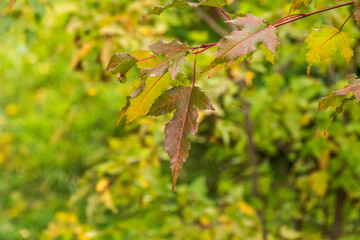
[67, 172]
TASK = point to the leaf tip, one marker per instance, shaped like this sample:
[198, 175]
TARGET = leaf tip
[175, 175]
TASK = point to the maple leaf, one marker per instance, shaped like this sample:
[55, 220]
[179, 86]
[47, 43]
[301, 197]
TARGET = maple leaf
[175, 53]
[254, 31]
[326, 102]
[352, 87]
[151, 60]
[12, 3]
[141, 103]
[121, 63]
[357, 15]
[301, 4]
[187, 3]
[337, 100]
[324, 43]
[185, 101]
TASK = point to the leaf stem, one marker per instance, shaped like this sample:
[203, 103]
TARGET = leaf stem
[225, 14]
[194, 77]
[346, 21]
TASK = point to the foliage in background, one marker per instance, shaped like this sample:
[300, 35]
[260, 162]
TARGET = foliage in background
[67, 171]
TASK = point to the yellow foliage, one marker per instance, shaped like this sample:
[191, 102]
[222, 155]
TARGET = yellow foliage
[143, 182]
[66, 217]
[205, 221]
[150, 63]
[249, 76]
[140, 105]
[92, 92]
[319, 182]
[102, 184]
[83, 52]
[2, 157]
[107, 200]
[324, 43]
[11, 109]
[245, 208]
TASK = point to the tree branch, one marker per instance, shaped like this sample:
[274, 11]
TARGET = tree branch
[252, 160]
[297, 17]
[288, 19]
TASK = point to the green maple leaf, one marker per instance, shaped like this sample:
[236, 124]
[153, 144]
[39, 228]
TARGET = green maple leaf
[185, 101]
[175, 53]
[121, 63]
[337, 100]
[326, 102]
[334, 98]
[187, 3]
[254, 31]
[324, 43]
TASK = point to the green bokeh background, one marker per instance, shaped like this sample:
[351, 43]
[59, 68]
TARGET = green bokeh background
[67, 172]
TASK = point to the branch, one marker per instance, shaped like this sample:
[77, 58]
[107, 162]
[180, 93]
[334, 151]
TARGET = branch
[297, 17]
[252, 161]
[338, 214]
[286, 20]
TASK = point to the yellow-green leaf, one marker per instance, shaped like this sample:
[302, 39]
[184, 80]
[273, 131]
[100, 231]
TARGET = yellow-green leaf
[324, 43]
[319, 182]
[269, 55]
[140, 105]
[149, 63]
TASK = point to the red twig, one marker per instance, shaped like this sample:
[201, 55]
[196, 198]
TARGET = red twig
[283, 21]
[277, 24]
[287, 18]
[204, 45]
[206, 48]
